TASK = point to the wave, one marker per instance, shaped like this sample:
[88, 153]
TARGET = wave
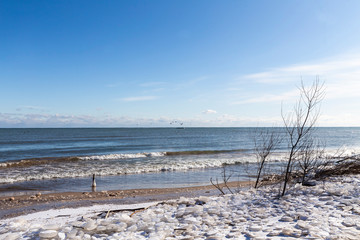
[37, 161]
[201, 152]
[104, 157]
[105, 168]
[53, 160]
[158, 154]
[104, 165]
[123, 156]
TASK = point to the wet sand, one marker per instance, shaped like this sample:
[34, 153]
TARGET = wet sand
[24, 204]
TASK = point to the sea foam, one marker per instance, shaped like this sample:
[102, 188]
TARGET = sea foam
[123, 156]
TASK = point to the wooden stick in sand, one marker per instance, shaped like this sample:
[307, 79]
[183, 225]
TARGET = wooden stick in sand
[93, 185]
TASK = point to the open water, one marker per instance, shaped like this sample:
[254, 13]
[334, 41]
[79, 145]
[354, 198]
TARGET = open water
[64, 159]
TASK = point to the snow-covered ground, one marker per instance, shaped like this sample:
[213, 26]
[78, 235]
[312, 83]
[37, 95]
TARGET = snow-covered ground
[330, 210]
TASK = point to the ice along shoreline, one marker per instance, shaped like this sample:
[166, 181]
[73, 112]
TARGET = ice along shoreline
[330, 210]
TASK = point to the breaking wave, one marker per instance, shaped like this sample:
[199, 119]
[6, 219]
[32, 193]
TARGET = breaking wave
[119, 156]
[123, 156]
[114, 164]
[117, 164]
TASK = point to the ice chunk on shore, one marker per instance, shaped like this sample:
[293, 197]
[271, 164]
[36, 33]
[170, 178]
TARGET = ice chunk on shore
[90, 225]
[48, 234]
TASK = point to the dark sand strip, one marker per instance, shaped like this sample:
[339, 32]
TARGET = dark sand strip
[20, 205]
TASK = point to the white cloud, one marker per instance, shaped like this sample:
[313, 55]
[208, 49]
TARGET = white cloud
[240, 121]
[209, 111]
[333, 68]
[341, 76]
[343, 64]
[339, 120]
[290, 95]
[224, 120]
[63, 120]
[139, 98]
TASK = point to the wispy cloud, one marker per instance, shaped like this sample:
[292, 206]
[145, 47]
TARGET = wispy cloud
[346, 119]
[139, 98]
[232, 120]
[224, 120]
[341, 76]
[289, 95]
[63, 120]
[333, 69]
[209, 111]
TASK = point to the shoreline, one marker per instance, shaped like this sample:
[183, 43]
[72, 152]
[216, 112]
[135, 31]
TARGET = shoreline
[328, 210]
[17, 205]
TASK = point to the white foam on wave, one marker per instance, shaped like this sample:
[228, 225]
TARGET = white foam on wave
[157, 163]
[343, 151]
[104, 168]
[123, 156]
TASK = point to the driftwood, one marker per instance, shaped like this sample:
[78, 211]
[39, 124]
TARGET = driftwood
[352, 157]
[342, 168]
[105, 214]
[65, 215]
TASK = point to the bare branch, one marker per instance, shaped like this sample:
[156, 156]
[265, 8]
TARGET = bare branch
[225, 178]
[217, 186]
[269, 140]
[300, 124]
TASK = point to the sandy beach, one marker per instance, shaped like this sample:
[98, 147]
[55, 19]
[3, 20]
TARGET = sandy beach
[11, 206]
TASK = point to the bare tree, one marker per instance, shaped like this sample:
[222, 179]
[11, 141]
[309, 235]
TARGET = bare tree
[299, 125]
[265, 144]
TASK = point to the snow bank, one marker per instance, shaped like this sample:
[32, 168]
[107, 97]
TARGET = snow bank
[330, 210]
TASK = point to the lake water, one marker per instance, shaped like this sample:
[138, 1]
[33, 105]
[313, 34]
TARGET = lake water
[124, 158]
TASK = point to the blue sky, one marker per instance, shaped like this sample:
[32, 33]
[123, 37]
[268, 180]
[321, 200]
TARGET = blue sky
[149, 63]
